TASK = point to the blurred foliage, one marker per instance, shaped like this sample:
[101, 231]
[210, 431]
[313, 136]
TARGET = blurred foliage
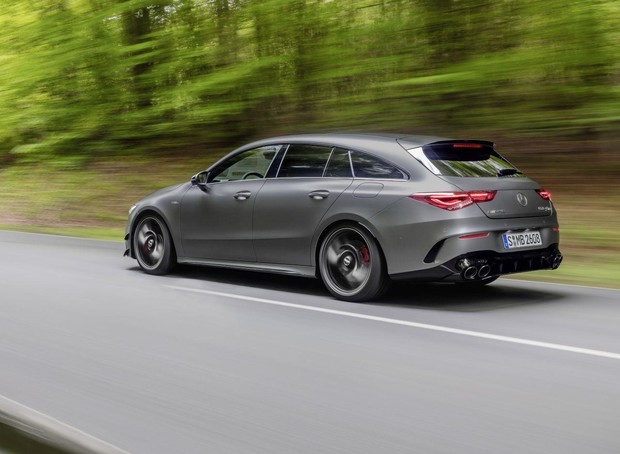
[84, 78]
[101, 85]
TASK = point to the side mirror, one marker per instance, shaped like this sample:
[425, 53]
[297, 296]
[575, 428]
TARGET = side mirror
[200, 180]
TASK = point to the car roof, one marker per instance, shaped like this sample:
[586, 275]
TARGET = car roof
[391, 147]
[359, 140]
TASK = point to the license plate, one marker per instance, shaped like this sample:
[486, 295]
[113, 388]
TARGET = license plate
[522, 239]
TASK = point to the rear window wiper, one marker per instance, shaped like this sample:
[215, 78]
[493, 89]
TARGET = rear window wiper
[507, 172]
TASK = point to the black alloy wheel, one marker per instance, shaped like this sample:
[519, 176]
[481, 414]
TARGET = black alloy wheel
[351, 264]
[153, 245]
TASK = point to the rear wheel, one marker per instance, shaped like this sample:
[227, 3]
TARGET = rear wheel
[153, 246]
[351, 264]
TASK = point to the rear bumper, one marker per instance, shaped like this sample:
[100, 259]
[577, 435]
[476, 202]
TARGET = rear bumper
[484, 264]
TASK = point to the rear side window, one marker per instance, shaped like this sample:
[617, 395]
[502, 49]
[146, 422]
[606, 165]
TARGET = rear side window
[339, 164]
[465, 159]
[366, 166]
[304, 161]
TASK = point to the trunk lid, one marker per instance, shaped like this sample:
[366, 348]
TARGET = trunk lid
[474, 165]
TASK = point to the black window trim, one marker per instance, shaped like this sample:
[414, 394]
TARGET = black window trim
[277, 161]
[279, 158]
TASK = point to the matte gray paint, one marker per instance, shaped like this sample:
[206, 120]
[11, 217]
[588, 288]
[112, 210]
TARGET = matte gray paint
[279, 225]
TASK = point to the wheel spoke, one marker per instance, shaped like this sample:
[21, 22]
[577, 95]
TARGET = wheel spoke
[358, 275]
[332, 255]
[158, 251]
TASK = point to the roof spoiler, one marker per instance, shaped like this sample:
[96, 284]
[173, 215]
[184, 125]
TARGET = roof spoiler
[466, 142]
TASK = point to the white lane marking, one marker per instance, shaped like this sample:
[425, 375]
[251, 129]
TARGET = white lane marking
[51, 431]
[444, 329]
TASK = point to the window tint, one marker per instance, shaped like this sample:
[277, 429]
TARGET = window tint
[250, 164]
[467, 160]
[304, 161]
[366, 166]
[339, 164]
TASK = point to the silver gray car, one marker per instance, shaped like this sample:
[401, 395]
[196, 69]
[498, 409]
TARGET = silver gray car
[355, 210]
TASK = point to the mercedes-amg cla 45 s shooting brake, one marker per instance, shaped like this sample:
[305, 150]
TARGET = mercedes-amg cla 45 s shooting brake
[355, 210]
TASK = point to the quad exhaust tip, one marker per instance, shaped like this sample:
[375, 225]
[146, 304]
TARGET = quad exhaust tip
[484, 271]
[470, 272]
[473, 269]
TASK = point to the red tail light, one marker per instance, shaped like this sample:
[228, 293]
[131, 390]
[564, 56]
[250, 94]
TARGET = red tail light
[466, 145]
[482, 196]
[472, 236]
[544, 194]
[454, 200]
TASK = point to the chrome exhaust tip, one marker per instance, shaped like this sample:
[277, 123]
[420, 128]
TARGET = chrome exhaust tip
[484, 271]
[463, 264]
[557, 260]
[470, 272]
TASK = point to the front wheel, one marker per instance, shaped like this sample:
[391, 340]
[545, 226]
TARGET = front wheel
[153, 246]
[351, 264]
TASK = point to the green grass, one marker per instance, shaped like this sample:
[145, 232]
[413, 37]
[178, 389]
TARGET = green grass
[13, 441]
[93, 203]
[98, 233]
[589, 274]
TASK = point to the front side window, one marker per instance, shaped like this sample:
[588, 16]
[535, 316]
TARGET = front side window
[249, 164]
[304, 161]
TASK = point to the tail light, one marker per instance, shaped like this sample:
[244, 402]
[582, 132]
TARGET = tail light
[454, 200]
[544, 194]
[466, 145]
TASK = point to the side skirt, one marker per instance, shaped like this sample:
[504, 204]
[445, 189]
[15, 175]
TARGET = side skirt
[278, 268]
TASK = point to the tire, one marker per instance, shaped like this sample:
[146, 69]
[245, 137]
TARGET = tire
[153, 245]
[478, 282]
[351, 264]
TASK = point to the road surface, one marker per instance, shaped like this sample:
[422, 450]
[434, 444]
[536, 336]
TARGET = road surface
[216, 361]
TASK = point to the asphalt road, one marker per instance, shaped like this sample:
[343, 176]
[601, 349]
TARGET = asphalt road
[214, 361]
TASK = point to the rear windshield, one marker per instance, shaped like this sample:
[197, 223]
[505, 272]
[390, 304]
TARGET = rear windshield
[465, 160]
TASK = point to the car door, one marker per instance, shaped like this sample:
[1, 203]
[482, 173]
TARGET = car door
[290, 206]
[216, 219]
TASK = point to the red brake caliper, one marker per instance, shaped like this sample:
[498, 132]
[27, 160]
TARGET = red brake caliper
[365, 255]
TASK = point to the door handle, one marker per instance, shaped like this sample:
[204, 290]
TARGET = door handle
[242, 195]
[318, 195]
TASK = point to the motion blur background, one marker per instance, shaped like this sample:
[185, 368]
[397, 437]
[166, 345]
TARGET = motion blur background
[103, 101]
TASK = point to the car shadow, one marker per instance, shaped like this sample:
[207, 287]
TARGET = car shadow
[423, 296]
[254, 279]
[466, 298]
